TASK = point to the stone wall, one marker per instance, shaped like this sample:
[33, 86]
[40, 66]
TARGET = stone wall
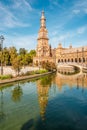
[9, 70]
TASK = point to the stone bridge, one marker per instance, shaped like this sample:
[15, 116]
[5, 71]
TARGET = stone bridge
[69, 66]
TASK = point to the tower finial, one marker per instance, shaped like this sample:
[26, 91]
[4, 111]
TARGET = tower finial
[42, 14]
[43, 19]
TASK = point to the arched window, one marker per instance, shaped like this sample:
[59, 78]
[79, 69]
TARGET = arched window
[62, 60]
[68, 60]
[75, 59]
[58, 60]
[36, 62]
[79, 59]
[83, 59]
[71, 60]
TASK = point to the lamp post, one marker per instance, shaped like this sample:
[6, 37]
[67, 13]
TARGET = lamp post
[1, 49]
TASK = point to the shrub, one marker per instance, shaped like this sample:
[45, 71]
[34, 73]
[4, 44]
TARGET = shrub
[40, 71]
[2, 77]
[50, 66]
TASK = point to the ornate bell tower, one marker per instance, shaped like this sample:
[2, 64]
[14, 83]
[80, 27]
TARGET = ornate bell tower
[44, 52]
[43, 48]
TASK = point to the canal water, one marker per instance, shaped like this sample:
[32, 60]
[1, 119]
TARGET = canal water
[54, 102]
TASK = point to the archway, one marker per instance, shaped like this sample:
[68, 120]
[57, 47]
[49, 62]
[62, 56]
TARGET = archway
[83, 59]
[62, 60]
[68, 60]
[79, 59]
[75, 59]
[58, 60]
[72, 60]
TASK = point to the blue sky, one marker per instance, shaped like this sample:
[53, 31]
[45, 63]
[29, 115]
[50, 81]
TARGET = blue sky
[66, 21]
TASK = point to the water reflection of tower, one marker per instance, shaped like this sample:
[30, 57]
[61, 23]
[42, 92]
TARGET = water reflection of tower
[59, 82]
[77, 83]
[43, 98]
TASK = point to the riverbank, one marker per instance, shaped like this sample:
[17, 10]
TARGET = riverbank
[23, 78]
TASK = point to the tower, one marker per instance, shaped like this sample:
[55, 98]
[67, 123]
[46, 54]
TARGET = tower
[43, 48]
[44, 52]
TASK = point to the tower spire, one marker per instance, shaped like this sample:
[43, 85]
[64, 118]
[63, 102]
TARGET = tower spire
[43, 19]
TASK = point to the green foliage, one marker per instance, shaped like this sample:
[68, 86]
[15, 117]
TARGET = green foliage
[47, 80]
[5, 56]
[34, 72]
[2, 77]
[50, 66]
[41, 71]
[17, 94]
[17, 65]
[10, 54]
[32, 53]
[22, 51]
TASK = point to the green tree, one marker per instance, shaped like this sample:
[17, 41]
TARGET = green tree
[13, 54]
[50, 66]
[17, 64]
[22, 51]
[6, 56]
[32, 53]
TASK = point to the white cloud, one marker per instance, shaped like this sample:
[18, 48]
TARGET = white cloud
[81, 30]
[55, 3]
[85, 10]
[28, 42]
[22, 5]
[63, 37]
[8, 19]
[80, 6]
[59, 39]
[28, 5]
[54, 33]
[76, 11]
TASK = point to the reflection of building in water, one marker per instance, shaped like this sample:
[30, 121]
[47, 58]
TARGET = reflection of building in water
[66, 69]
[42, 97]
[79, 80]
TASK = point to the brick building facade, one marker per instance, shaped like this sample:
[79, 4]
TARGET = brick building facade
[45, 53]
